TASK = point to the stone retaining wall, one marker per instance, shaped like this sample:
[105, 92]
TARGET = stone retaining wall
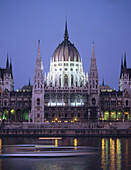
[65, 132]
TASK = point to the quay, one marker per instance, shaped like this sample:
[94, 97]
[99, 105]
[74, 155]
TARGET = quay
[66, 129]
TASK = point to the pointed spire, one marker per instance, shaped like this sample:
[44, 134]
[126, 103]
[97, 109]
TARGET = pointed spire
[7, 61]
[38, 52]
[93, 50]
[103, 83]
[121, 63]
[29, 82]
[66, 36]
[7, 64]
[11, 68]
[125, 65]
[121, 66]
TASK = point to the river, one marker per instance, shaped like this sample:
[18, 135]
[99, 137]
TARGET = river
[114, 153]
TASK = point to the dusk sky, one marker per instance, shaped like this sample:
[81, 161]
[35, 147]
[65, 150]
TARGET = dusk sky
[106, 22]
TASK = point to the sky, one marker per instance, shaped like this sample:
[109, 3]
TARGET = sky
[106, 22]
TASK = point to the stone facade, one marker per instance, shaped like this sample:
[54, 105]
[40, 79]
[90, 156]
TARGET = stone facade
[66, 94]
[37, 107]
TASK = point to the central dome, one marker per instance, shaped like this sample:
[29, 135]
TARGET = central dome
[66, 70]
[66, 51]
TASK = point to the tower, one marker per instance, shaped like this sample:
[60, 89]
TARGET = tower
[93, 87]
[124, 75]
[12, 78]
[37, 110]
[6, 77]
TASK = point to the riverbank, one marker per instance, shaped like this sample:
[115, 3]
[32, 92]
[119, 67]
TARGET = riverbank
[66, 129]
[65, 132]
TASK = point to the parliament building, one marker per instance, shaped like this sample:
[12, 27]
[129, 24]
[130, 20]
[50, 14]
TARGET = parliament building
[65, 93]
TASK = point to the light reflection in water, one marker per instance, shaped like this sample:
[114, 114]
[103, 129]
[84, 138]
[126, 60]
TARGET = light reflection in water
[75, 143]
[106, 151]
[103, 154]
[56, 142]
[118, 149]
[126, 154]
[111, 154]
[115, 154]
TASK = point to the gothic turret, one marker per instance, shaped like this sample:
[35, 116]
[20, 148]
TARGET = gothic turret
[7, 65]
[93, 74]
[124, 76]
[93, 87]
[121, 67]
[11, 69]
[29, 83]
[125, 65]
[37, 110]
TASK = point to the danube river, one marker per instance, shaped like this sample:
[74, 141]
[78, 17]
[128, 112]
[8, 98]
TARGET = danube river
[113, 153]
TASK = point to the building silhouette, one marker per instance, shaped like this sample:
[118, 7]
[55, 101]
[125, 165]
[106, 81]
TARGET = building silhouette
[66, 93]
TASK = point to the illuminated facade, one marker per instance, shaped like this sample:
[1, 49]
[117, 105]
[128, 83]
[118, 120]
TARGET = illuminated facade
[66, 68]
[66, 93]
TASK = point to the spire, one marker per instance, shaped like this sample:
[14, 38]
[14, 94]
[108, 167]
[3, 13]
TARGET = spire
[11, 68]
[121, 66]
[38, 51]
[29, 82]
[125, 65]
[66, 36]
[93, 50]
[103, 83]
[93, 82]
[7, 64]
[121, 63]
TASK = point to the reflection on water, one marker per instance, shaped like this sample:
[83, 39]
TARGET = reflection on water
[126, 154]
[111, 153]
[115, 154]
[56, 142]
[118, 147]
[75, 143]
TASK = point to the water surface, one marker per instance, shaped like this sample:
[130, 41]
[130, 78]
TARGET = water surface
[115, 153]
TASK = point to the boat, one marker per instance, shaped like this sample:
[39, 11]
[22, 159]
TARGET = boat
[46, 151]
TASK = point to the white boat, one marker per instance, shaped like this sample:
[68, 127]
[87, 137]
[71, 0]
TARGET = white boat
[47, 151]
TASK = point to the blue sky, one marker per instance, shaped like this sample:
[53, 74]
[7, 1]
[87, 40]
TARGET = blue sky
[106, 22]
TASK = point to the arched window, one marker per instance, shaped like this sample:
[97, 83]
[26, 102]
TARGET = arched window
[38, 84]
[93, 101]
[66, 80]
[71, 80]
[126, 102]
[93, 84]
[60, 81]
[38, 101]
[76, 84]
